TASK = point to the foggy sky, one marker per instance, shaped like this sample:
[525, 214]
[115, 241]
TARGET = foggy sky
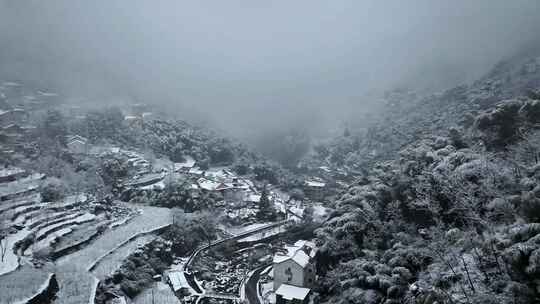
[248, 65]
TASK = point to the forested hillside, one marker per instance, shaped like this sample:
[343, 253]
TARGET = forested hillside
[448, 207]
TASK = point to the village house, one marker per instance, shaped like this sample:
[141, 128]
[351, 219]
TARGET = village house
[133, 121]
[221, 175]
[185, 166]
[234, 191]
[295, 273]
[314, 189]
[178, 282]
[147, 180]
[77, 144]
[196, 171]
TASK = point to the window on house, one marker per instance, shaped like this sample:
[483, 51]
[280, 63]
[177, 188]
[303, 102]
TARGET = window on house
[289, 274]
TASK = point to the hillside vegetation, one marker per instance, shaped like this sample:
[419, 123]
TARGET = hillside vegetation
[448, 207]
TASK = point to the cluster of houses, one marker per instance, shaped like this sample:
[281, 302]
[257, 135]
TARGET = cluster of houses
[13, 129]
[138, 114]
[16, 104]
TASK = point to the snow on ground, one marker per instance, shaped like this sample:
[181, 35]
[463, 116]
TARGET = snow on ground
[159, 293]
[69, 201]
[10, 171]
[87, 217]
[47, 217]
[267, 294]
[42, 288]
[158, 185]
[79, 219]
[75, 285]
[22, 185]
[73, 269]
[24, 283]
[20, 201]
[47, 241]
[11, 260]
[120, 222]
[178, 281]
[263, 234]
[112, 262]
[187, 164]
[241, 229]
[320, 213]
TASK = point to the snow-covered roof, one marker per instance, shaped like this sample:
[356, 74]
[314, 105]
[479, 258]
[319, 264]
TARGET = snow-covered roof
[301, 258]
[196, 171]
[77, 138]
[255, 198]
[223, 186]
[207, 184]
[325, 168]
[131, 117]
[218, 174]
[178, 280]
[297, 254]
[189, 163]
[315, 184]
[290, 292]
[146, 180]
[158, 185]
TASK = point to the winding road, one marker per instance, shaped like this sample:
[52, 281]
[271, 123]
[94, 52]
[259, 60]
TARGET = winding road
[251, 291]
[251, 286]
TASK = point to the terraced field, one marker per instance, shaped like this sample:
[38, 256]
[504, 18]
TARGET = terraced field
[86, 244]
[160, 293]
[35, 226]
[22, 284]
[113, 261]
[76, 282]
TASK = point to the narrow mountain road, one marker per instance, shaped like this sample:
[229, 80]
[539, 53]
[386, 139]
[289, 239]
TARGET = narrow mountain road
[188, 272]
[251, 286]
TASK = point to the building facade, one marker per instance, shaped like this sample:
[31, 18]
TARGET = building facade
[295, 273]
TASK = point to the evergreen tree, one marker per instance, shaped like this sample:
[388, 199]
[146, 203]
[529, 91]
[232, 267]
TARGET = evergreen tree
[266, 209]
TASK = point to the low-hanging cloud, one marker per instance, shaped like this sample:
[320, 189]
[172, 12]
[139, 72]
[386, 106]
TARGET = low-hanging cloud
[251, 66]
